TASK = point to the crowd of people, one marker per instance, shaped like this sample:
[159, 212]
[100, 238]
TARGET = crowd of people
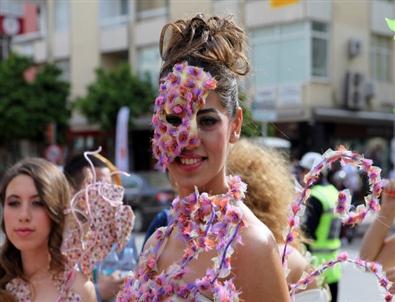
[223, 237]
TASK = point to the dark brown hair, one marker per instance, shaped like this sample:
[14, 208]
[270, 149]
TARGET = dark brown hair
[53, 189]
[215, 44]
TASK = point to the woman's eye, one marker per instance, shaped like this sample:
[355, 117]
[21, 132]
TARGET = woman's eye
[207, 121]
[38, 203]
[13, 203]
[174, 120]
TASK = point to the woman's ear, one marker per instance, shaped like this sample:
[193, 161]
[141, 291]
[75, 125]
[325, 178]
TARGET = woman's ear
[237, 122]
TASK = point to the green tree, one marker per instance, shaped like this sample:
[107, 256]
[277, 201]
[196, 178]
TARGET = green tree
[112, 90]
[250, 128]
[27, 107]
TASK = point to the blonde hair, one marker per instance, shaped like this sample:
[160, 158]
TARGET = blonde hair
[270, 187]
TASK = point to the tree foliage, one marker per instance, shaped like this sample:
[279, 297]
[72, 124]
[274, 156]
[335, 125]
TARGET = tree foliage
[27, 107]
[250, 127]
[112, 90]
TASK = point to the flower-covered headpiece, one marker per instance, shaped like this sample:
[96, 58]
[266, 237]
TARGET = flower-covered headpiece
[181, 93]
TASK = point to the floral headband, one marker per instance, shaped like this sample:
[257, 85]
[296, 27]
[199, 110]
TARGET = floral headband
[182, 93]
[343, 209]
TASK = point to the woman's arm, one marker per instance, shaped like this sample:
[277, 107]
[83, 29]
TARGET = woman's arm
[297, 265]
[258, 270]
[374, 245]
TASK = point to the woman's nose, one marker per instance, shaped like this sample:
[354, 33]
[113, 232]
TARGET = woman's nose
[25, 214]
[193, 139]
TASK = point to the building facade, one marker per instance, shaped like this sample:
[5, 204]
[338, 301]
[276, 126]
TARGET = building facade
[322, 74]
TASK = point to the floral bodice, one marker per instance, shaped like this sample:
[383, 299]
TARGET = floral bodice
[21, 289]
[205, 223]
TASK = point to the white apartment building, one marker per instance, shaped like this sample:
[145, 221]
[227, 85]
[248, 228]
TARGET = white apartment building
[323, 70]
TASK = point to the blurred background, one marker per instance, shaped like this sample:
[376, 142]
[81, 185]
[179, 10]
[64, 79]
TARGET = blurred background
[79, 74]
[323, 74]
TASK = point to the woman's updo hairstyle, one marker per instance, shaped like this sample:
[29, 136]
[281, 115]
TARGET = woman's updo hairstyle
[215, 44]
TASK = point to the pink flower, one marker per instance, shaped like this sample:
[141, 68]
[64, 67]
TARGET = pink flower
[210, 84]
[177, 109]
[343, 256]
[150, 263]
[388, 297]
[182, 137]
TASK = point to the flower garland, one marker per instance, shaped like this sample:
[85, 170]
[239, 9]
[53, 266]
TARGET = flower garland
[205, 223]
[343, 257]
[181, 94]
[343, 210]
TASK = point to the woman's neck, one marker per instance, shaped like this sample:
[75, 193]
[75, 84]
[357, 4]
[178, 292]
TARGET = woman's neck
[35, 262]
[216, 186]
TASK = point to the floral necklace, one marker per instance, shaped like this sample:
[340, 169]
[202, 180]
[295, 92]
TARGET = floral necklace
[206, 223]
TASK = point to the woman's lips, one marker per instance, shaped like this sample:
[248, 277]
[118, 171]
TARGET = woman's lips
[24, 232]
[190, 163]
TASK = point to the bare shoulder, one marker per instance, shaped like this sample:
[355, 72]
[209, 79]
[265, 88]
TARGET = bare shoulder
[258, 256]
[257, 240]
[84, 287]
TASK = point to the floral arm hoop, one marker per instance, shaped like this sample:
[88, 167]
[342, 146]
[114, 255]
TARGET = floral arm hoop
[365, 266]
[343, 209]
[98, 221]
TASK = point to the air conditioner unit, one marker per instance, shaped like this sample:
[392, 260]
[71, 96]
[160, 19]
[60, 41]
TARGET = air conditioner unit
[354, 94]
[354, 48]
[369, 90]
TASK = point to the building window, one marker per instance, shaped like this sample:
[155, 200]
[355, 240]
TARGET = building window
[380, 58]
[290, 53]
[151, 8]
[319, 49]
[113, 11]
[280, 54]
[149, 63]
[61, 18]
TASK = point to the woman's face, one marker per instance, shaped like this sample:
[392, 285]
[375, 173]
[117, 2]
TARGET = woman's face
[27, 224]
[204, 165]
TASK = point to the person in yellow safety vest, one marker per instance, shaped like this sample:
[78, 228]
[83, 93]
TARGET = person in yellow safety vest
[320, 224]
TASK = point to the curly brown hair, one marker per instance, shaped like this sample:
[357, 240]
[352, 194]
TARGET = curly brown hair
[270, 188]
[215, 44]
[53, 189]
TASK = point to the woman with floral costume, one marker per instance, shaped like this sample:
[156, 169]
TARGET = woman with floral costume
[34, 194]
[214, 248]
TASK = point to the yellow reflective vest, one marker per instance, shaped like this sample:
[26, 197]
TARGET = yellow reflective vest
[327, 244]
